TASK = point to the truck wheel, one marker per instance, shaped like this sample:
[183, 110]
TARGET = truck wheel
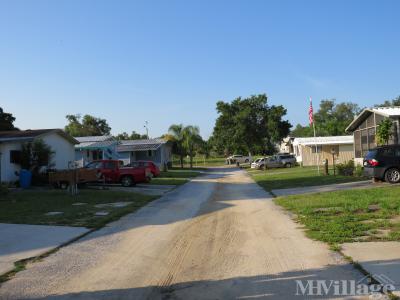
[127, 181]
[246, 161]
[288, 165]
[392, 175]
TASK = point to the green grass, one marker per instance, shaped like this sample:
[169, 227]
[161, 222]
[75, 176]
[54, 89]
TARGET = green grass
[200, 162]
[348, 216]
[282, 178]
[30, 207]
[175, 177]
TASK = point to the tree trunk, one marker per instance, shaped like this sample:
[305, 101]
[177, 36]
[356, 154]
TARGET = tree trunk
[191, 160]
[181, 159]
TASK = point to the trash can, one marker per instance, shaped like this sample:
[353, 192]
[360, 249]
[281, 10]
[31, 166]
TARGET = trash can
[25, 178]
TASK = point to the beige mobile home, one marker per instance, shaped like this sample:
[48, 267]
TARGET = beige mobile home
[311, 151]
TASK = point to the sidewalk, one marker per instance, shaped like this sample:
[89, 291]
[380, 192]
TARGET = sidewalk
[19, 241]
[380, 259]
[327, 188]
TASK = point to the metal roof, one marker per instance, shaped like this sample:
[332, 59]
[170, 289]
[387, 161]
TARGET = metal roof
[392, 111]
[140, 145]
[31, 134]
[98, 138]
[324, 140]
[95, 145]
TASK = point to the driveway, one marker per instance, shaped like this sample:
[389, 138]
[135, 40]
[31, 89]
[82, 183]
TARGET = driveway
[19, 241]
[218, 237]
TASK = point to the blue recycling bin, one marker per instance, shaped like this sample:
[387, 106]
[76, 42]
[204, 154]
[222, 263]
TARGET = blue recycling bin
[25, 178]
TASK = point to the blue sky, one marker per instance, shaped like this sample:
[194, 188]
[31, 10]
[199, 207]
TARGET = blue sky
[170, 61]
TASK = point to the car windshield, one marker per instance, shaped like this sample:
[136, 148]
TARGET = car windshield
[371, 154]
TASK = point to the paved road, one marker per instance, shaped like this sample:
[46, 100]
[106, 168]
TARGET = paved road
[217, 237]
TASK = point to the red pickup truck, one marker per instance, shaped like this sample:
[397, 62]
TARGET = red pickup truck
[113, 171]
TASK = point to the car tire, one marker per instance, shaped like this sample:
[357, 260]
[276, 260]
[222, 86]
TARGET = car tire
[392, 175]
[261, 167]
[246, 161]
[288, 165]
[127, 181]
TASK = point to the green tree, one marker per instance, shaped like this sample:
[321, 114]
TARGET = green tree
[249, 125]
[389, 103]
[133, 136]
[6, 121]
[330, 119]
[191, 141]
[86, 126]
[35, 155]
[176, 135]
[384, 131]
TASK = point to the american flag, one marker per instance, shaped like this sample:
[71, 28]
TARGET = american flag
[310, 113]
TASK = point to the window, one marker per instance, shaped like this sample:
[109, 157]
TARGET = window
[357, 143]
[15, 156]
[94, 165]
[371, 138]
[109, 165]
[316, 149]
[371, 121]
[378, 118]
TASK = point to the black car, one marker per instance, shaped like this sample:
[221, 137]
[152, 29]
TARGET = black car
[383, 163]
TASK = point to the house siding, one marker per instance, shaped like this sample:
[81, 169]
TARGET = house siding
[64, 154]
[344, 153]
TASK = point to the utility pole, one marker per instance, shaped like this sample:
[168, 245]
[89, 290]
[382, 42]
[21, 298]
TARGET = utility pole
[146, 125]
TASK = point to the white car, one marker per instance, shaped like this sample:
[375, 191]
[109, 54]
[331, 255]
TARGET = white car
[257, 163]
[241, 159]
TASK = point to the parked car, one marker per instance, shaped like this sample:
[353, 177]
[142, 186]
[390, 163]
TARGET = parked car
[279, 161]
[256, 164]
[233, 159]
[383, 163]
[146, 164]
[113, 171]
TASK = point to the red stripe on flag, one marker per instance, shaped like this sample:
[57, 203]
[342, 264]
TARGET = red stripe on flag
[310, 113]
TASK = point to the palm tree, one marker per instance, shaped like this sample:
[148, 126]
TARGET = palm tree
[175, 133]
[192, 139]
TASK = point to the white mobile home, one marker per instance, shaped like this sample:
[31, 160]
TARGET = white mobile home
[10, 147]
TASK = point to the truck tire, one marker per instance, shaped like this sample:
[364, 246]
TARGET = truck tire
[63, 185]
[127, 181]
[392, 175]
[288, 165]
[246, 161]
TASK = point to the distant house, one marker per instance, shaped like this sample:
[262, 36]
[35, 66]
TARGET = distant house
[158, 151]
[364, 126]
[311, 151]
[286, 145]
[92, 148]
[10, 149]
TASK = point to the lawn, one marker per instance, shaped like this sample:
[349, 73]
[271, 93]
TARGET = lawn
[175, 177]
[282, 178]
[348, 216]
[200, 162]
[30, 207]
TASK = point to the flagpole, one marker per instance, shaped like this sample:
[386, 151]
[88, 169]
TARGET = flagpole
[316, 147]
[311, 118]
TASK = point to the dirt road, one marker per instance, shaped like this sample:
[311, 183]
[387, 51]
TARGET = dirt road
[217, 237]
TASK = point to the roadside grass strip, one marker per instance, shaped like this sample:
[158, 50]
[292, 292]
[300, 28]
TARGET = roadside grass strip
[35, 207]
[282, 178]
[348, 216]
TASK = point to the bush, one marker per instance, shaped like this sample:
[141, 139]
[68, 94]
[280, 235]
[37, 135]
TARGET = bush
[359, 171]
[346, 169]
[3, 190]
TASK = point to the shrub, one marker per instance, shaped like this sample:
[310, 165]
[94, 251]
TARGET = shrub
[3, 190]
[359, 171]
[346, 169]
